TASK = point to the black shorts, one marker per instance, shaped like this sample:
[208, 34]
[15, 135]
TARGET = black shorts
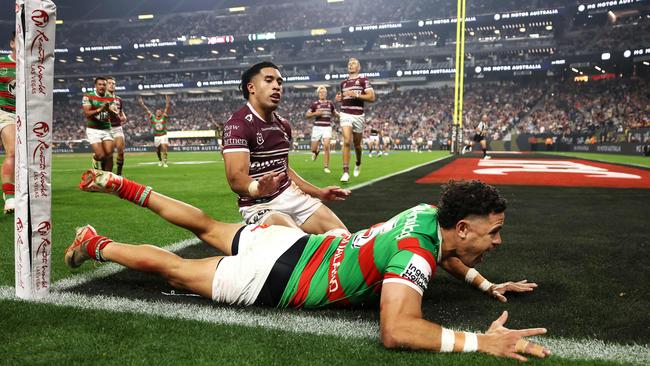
[478, 137]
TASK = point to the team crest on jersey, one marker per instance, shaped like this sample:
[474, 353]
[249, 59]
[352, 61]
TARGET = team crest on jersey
[249, 117]
[11, 88]
[3, 71]
[260, 138]
[356, 82]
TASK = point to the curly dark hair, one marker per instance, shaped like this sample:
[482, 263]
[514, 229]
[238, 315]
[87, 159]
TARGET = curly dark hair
[460, 199]
[252, 71]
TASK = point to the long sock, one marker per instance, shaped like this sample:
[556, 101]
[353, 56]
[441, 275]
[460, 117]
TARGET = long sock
[8, 189]
[135, 192]
[346, 169]
[120, 164]
[159, 157]
[95, 246]
[484, 152]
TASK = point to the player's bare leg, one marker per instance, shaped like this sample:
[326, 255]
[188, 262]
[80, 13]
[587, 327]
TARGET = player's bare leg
[195, 275]
[8, 139]
[119, 147]
[484, 148]
[107, 163]
[280, 219]
[314, 149]
[214, 233]
[345, 151]
[158, 152]
[164, 148]
[357, 138]
[99, 155]
[326, 155]
[322, 220]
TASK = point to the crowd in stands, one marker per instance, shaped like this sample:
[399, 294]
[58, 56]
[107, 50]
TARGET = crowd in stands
[607, 108]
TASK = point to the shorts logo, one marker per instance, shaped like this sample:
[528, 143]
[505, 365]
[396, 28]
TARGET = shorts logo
[259, 215]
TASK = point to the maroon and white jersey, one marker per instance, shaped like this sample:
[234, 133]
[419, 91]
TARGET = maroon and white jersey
[327, 110]
[268, 144]
[351, 105]
[115, 120]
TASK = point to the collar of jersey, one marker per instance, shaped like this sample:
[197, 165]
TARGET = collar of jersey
[248, 104]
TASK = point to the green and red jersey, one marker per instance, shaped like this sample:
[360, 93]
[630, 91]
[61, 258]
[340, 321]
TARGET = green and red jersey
[8, 83]
[159, 125]
[351, 270]
[101, 120]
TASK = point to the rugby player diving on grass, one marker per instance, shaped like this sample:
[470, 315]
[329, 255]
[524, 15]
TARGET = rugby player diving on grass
[390, 263]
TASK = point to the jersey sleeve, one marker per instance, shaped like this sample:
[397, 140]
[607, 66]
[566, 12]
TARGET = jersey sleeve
[332, 108]
[412, 266]
[236, 136]
[366, 84]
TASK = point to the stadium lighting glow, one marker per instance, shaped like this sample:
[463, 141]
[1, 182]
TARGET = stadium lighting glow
[232, 50]
[114, 58]
[96, 59]
[59, 21]
[334, 1]
[215, 52]
[171, 54]
[597, 68]
[155, 55]
[260, 48]
[549, 27]
[496, 31]
[646, 63]
[145, 16]
[522, 29]
[574, 69]
[63, 61]
[605, 56]
[237, 9]
[140, 57]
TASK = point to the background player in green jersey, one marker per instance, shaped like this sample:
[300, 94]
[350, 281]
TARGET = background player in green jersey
[391, 263]
[159, 125]
[8, 123]
[99, 109]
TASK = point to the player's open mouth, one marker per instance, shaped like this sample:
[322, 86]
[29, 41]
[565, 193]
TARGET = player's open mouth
[275, 97]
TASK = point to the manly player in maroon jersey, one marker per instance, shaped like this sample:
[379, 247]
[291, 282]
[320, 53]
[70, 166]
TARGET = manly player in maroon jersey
[322, 111]
[355, 91]
[117, 120]
[256, 143]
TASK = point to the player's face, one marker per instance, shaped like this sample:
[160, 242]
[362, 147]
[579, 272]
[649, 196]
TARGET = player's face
[110, 85]
[483, 233]
[100, 86]
[265, 88]
[322, 94]
[353, 66]
[158, 113]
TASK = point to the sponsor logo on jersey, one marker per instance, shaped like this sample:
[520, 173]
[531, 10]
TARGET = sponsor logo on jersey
[256, 165]
[417, 271]
[334, 282]
[411, 222]
[249, 117]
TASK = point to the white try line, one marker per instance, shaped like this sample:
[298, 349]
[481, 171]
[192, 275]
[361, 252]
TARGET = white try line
[312, 323]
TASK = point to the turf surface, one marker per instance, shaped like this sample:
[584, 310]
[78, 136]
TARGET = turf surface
[585, 247]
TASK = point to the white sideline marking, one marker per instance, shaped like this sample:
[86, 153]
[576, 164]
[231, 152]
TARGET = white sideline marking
[313, 323]
[373, 181]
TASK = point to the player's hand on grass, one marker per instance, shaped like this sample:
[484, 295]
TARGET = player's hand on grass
[503, 342]
[333, 193]
[499, 289]
[269, 183]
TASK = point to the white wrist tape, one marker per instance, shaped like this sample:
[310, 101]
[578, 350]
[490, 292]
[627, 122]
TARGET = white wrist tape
[485, 285]
[470, 275]
[471, 342]
[447, 340]
[253, 188]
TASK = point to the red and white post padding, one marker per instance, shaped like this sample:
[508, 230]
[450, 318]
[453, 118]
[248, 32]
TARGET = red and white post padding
[35, 27]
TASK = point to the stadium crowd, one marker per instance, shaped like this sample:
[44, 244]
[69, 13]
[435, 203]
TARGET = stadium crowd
[609, 106]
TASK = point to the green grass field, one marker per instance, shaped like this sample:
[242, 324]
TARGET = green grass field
[586, 248]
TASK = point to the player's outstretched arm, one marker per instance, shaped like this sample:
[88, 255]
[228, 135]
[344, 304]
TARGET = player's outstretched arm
[472, 277]
[402, 327]
[330, 193]
[167, 104]
[144, 106]
[237, 167]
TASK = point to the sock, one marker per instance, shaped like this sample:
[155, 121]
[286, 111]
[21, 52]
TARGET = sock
[135, 192]
[484, 152]
[159, 157]
[120, 164]
[95, 246]
[9, 190]
[346, 169]
[358, 163]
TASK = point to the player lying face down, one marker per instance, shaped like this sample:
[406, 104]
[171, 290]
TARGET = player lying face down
[390, 263]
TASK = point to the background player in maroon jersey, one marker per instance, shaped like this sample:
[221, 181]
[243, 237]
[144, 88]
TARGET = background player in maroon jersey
[117, 120]
[322, 111]
[355, 91]
[466, 224]
[256, 144]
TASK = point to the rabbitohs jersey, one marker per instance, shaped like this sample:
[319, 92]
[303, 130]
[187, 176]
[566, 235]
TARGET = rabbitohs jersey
[8, 84]
[159, 125]
[351, 270]
[101, 120]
